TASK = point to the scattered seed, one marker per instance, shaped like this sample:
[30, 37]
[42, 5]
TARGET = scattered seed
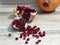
[9, 34]
[26, 42]
[16, 38]
[28, 39]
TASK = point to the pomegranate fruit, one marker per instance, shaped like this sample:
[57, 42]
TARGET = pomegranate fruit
[19, 24]
[48, 5]
[27, 13]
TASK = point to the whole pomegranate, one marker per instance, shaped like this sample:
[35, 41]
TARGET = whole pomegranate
[48, 5]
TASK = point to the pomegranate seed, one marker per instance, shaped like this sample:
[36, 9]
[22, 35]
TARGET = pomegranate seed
[33, 10]
[22, 22]
[37, 29]
[27, 9]
[26, 16]
[37, 43]
[43, 33]
[34, 27]
[14, 22]
[20, 36]
[36, 36]
[28, 34]
[21, 7]
[16, 38]
[33, 35]
[24, 38]
[9, 34]
[39, 40]
[28, 39]
[39, 33]
[29, 27]
[24, 34]
[26, 42]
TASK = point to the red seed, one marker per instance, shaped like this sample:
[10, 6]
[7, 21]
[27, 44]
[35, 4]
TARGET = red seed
[28, 34]
[37, 29]
[26, 42]
[34, 32]
[24, 38]
[37, 43]
[43, 33]
[16, 38]
[28, 39]
[26, 16]
[33, 35]
[14, 22]
[39, 33]
[9, 34]
[28, 27]
[20, 36]
[36, 36]
[39, 40]
[33, 10]
[24, 34]
[34, 27]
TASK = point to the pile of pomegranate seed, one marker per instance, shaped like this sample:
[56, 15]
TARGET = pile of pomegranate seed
[27, 31]
[25, 12]
[34, 31]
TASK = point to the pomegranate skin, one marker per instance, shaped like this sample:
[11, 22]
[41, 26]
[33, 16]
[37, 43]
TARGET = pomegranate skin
[49, 6]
